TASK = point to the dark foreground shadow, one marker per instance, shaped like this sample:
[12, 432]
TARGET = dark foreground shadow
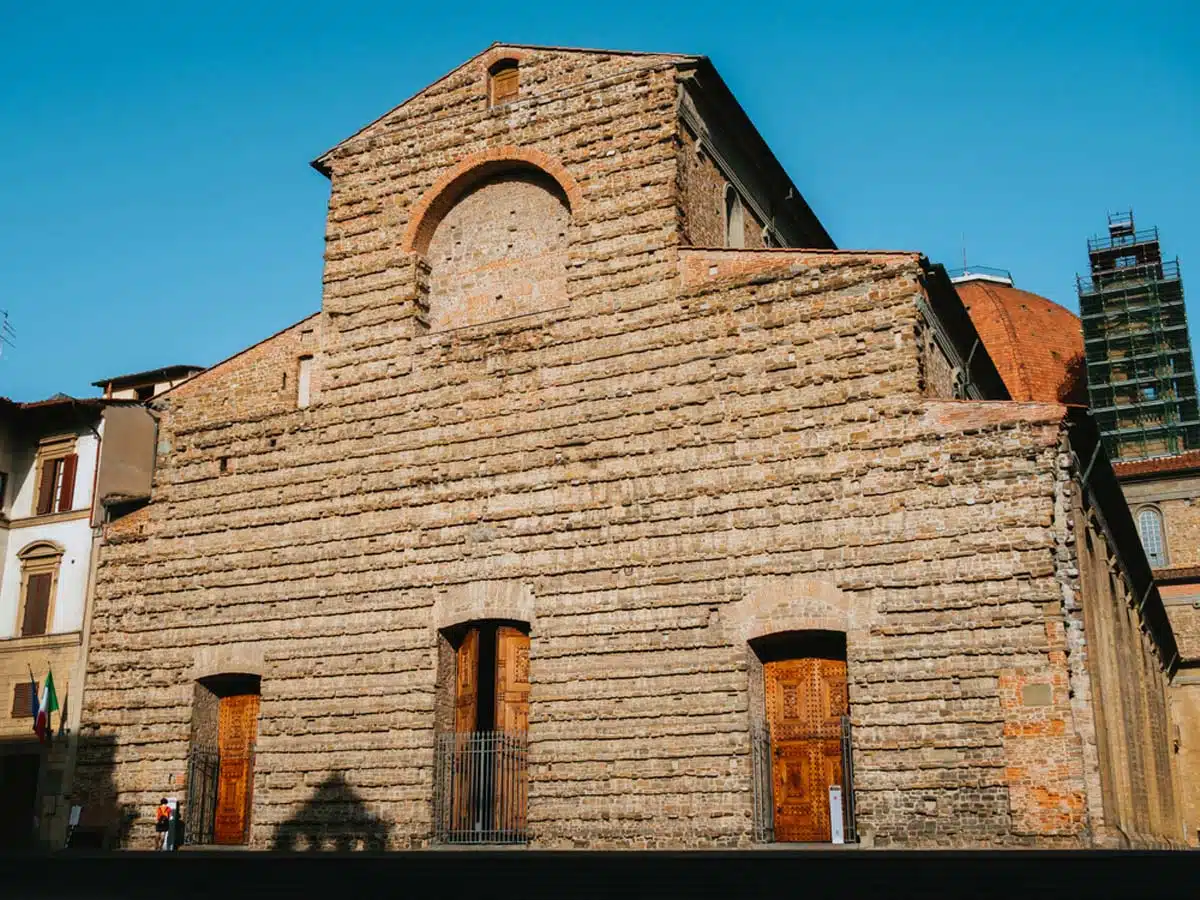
[334, 818]
[104, 824]
[36, 797]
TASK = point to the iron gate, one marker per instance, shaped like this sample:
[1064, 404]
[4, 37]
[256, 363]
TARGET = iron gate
[203, 793]
[203, 775]
[762, 773]
[481, 787]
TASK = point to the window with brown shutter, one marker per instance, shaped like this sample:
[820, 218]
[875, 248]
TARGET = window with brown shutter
[37, 604]
[51, 469]
[57, 464]
[66, 493]
[504, 82]
[23, 692]
[40, 562]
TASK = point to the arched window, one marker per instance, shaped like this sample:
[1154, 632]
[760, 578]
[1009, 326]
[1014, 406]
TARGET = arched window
[1150, 528]
[40, 563]
[503, 82]
[735, 229]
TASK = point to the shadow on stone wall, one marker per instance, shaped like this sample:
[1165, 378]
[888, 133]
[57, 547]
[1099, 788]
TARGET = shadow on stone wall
[32, 781]
[103, 822]
[334, 818]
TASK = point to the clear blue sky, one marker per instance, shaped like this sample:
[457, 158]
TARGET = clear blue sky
[157, 206]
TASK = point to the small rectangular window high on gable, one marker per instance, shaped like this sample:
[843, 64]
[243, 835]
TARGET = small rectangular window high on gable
[503, 82]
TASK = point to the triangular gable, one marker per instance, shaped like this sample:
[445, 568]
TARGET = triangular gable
[321, 163]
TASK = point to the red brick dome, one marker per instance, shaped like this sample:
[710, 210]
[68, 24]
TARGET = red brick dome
[1036, 344]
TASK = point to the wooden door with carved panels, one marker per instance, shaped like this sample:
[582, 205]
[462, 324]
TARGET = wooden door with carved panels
[512, 723]
[466, 710]
[806, 699]
[237, 728]
[512, 680]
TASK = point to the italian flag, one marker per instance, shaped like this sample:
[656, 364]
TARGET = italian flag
[47, 704]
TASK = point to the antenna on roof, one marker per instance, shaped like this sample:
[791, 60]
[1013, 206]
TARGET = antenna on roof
[964, 249]
[7, 334]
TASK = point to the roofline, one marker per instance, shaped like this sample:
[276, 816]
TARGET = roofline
[945, 302]
[1153, 468]
[706, 64]
[1105, 486]
[234, 356]
[321, 162]
[162, 370]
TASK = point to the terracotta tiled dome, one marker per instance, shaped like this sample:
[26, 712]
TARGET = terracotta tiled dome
[1036, 344]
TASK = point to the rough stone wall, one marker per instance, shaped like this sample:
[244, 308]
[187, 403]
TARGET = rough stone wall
[702, 200]
[625, 472]
[637, 471]
[500, 252]
[937, 372]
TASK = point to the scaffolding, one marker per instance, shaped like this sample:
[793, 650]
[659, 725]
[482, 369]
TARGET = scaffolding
[1141, 381]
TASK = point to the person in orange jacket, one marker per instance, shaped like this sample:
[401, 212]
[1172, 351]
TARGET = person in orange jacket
[162, 822]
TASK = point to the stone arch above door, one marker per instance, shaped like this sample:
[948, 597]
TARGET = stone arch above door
[775, 604]
[500, 600]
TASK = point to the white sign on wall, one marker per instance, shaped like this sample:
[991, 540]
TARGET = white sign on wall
[835, 812]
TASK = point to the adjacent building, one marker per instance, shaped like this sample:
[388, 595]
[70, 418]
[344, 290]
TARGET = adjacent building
[145, 385]
[1140, 374]
[605, 502]
[61, 460]
[1143, 392]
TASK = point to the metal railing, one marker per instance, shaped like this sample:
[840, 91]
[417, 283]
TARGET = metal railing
[1130, 278]
[1124, 238]
[987, 271]
[764, 801]
[481, 787]
[199, 813]
[762, 773]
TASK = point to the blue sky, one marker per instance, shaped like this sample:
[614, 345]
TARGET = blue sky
[157, 206]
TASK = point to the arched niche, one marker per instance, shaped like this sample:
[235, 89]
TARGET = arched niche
[494, 232]
[500, 251]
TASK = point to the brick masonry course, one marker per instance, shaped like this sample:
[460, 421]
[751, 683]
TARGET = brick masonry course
[629, 469]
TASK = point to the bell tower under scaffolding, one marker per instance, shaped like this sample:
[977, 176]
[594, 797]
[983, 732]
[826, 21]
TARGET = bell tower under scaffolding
[1141, 380]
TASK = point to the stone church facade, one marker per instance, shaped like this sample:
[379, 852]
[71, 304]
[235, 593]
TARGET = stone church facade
[605, 503]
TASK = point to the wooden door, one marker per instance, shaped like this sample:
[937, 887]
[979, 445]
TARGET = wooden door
[806, 699]
[237, 728]
[466, 683]
[466, 755]
[512, 680]
[512, 724]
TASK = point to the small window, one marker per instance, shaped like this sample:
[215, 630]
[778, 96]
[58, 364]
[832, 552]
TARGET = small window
[1150, 528]
[56, 465]
[145, 392]
[304, 382]
[503, 82]
[735, 229]
[23, 694]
